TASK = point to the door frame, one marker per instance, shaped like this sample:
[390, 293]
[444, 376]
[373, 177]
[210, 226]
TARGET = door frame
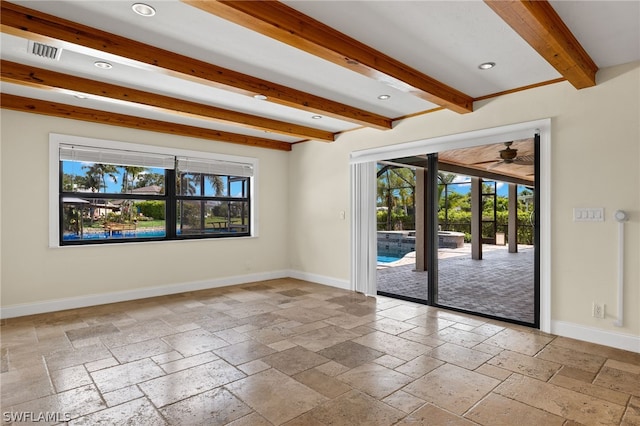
[465, 140]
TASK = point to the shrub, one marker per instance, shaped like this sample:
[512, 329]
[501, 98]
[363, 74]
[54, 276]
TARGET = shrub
[154, 209]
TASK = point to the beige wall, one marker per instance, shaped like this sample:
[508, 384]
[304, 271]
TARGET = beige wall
[595, 162]
[32, 272]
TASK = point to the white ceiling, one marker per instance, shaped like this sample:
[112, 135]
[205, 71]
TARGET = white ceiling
[445, 40]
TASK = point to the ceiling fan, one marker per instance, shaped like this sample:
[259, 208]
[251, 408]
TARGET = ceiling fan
[509, 155]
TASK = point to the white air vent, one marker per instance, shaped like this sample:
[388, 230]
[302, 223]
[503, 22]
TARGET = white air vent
[45, 50]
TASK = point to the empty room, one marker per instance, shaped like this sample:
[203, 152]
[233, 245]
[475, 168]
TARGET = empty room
[320, 213]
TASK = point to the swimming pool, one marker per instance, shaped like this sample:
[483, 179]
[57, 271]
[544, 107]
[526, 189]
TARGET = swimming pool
[387, 259]
[139, 233]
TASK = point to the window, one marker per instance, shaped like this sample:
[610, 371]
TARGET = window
[141, 193]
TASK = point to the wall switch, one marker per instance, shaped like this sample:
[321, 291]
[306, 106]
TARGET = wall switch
[588, 214]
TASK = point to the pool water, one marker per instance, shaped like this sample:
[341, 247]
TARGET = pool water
[387, 259]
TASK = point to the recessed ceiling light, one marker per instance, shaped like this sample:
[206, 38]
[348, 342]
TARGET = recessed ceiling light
[102, 64]
[143, 9]
[260, 97]
[487, 65]
[384, 97]
[316, 117]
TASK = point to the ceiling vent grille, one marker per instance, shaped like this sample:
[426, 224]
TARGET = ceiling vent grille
[44, 50]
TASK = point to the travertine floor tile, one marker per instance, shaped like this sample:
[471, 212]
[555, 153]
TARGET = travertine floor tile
[560, 401]
[460, 337]
[375, 380]
[431, 415]
[287, 398]
[350, 354]
[393, 345]
[357, 409]
[73, 403]
[419, 366]
[194, 342]
[632, 414]
[70, 378]
[139, 350]
[604, 351]
[619, 380]
[572, 358]
[214, 407]
[519, 341]
[589, 389]
[186, 383]
[253, 419]
[322, 383]
[122, 395]
[243, 352]
[295, 360]
[120, 376]
[532, 367]
[72, 357]
[290, 352]
[460, 356]
[192, 361]
[496, 410]
[403, 401]
[137, 412]
[452, 388]
[322, 338]
[391, 326]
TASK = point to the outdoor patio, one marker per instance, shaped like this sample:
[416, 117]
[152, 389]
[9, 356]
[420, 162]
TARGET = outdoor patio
[501, 284]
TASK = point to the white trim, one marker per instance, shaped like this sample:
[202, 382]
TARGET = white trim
[484, 137]
[614, 339]
[363, 228]
[320, 279]
[141, 293]
[56, 140]
[448, 142]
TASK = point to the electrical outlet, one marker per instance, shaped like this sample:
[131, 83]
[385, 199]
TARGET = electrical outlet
[597, 310]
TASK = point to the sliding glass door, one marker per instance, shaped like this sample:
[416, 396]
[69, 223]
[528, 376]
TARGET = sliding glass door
[469, 239]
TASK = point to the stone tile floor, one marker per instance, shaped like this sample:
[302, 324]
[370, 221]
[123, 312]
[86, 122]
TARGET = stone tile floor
[501, 284]
[295, 353]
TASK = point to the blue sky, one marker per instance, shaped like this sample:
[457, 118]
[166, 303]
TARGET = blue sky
[76, 168]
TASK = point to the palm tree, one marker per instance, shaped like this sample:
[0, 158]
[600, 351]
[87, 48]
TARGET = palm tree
[396, 188]
[96, 175]
[130, 173]
[216, 183]
[149, 179]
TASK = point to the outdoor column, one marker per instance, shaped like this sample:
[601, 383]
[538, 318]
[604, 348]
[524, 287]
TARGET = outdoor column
[421, 228]
[513, 218]
[476, 218]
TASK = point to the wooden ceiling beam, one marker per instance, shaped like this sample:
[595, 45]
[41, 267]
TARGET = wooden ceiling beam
[281, 22]
[26, 75]
[20, 21]
[540, 26]
[55, 109]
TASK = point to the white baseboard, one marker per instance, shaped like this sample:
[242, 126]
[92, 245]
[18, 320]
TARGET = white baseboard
[614, 339]
[141, 293]
[320, 279]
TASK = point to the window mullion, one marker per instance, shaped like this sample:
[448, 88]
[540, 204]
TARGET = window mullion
[171, 204]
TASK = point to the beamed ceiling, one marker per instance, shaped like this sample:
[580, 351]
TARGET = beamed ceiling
[271, 74]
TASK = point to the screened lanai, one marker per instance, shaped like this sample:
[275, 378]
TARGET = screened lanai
[485, 216]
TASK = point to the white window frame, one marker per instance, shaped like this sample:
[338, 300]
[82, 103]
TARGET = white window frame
[56, 140]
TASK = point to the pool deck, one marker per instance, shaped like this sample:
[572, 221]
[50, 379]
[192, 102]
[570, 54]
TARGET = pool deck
[501, 284]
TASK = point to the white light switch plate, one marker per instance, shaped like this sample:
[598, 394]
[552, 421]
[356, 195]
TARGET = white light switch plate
[588, 214]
